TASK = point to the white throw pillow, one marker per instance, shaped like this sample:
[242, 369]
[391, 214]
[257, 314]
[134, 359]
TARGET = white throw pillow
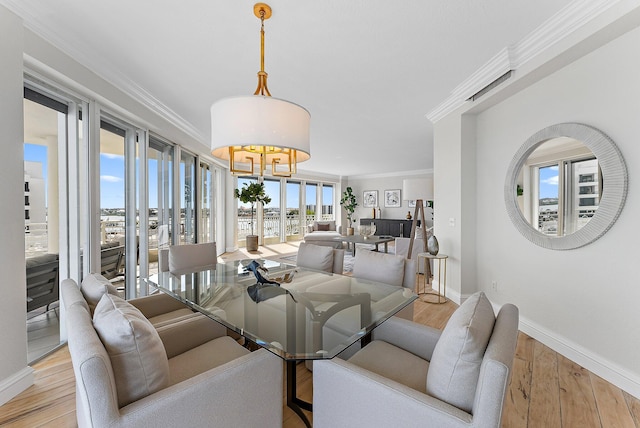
[94, 286]
[139, 360]
[380, 267]
[317, 257]
[455, 365]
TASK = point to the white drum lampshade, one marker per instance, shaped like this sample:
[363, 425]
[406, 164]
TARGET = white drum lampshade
[260, 130]
[414, 189]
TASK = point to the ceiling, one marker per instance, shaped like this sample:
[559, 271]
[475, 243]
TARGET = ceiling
[367, 71]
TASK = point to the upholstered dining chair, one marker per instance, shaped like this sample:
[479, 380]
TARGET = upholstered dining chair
[414, 375]
[377, 267]
[387, 268]
[160, 309]
[320, 257]
[130, 374]
[181, 259]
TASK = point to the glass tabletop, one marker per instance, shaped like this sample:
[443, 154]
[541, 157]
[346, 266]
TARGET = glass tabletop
[303, 315]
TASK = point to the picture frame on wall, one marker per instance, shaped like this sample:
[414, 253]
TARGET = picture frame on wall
[392, 198]
[370, 198]
[412, 204]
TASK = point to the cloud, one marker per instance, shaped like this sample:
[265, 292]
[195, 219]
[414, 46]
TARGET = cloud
[111, 156]
[110, 178]
[551, 181]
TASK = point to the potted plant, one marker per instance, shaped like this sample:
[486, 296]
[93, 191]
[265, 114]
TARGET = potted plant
[251, 193]
[349, 204]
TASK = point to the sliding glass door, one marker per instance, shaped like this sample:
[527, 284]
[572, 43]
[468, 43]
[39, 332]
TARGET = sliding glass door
[160, 200]
[294, 218]
[45, 137]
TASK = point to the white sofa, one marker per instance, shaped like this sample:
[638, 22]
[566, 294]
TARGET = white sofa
[324, 237]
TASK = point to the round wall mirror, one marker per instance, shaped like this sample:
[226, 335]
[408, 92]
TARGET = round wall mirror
[566, 186]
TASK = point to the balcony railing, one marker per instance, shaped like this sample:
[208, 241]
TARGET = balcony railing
[271, 225]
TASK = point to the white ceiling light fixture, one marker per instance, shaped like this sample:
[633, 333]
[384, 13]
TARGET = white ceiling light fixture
[258, 130]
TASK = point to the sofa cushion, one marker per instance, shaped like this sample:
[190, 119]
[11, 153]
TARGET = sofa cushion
[139, 361]
[315, 257]
[380, 267]
[94, 286]
[323, 227]
[455, 364]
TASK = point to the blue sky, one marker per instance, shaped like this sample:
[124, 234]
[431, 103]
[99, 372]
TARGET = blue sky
[549, 182]
[112, 181]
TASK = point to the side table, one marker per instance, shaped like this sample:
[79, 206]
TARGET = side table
[442, 278]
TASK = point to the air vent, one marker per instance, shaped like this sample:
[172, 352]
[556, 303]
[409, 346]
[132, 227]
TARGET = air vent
[490, 86]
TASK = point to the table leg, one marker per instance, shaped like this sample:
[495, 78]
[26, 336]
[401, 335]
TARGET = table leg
[293, 402]
[386, 247]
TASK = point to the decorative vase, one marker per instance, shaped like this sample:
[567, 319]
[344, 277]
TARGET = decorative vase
[432, 245]
[408, 215]
[349, 231]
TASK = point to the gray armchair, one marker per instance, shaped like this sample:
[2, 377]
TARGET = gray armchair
[409, 375]
[183, 375]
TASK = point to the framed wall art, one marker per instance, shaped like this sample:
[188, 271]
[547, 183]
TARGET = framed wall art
[392, 198]
[370, 198]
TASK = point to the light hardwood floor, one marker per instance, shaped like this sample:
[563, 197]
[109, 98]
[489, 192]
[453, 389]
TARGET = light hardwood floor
[547, 390]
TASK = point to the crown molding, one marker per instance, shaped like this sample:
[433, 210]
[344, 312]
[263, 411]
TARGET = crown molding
[500, 64]
[559, 26]
[104, 70]
[403, 174]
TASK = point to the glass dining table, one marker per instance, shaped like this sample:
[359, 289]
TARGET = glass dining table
[296, 313]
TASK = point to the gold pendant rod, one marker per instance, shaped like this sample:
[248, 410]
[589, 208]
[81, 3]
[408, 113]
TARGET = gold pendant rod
[262, 11]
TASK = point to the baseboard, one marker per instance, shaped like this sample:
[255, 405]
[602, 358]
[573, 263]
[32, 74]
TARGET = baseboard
[595, 363]
[454, 295]
[15, 384]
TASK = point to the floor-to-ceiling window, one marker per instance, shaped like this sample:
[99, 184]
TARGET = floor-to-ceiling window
[160, 200]
[294, 218]
[206, 228]
[328, 212]
[246, 223]
[44, 132]
[311, 202]
[112, 202]
[271, 222]
[188, 195]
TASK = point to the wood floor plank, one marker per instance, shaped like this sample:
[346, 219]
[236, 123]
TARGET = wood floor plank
[577, 402]
[45, 416]
[516, 409]
[544, 408]
[524, 347]
[612, 407]
[633, 404]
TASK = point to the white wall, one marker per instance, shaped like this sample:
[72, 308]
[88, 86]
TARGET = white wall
[15, 376]
[585, 303]
[382, 183]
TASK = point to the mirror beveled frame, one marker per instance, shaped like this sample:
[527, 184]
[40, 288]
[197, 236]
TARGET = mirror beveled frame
[614, 193]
